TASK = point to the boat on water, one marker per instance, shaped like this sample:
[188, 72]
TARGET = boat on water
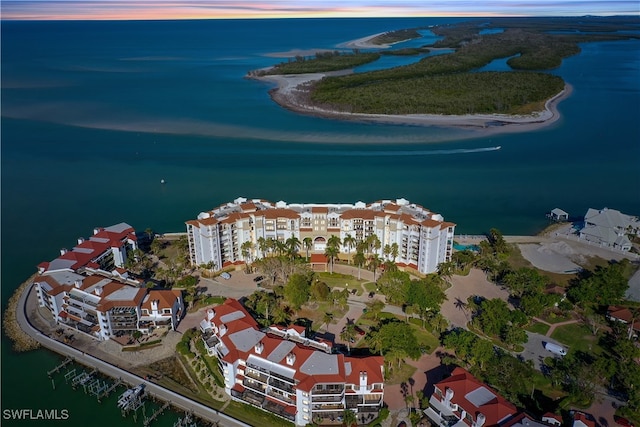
[130, 395]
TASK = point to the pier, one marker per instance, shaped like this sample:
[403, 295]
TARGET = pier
[178, 401]
[64, 363]
[108, 391]
[155, 415]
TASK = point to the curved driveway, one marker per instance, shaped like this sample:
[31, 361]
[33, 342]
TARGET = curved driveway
[175, 399]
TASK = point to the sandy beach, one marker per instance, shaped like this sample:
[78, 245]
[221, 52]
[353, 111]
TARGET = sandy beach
[292, 92]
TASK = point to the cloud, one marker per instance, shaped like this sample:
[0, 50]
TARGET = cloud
[194, 9]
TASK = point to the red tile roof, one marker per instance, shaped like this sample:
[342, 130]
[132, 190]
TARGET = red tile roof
[318, 259]
[462, 383]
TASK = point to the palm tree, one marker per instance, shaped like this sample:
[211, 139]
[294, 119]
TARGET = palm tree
[374, 263]
[334, 241]
[359, 260]
[331, 252]
[262, 246]
[394, 251]
[293, 245]
[386, 251]
[347, 334]
[373, 243]
[349, 242]
[349, 418]
[307, 243]
[328, 317]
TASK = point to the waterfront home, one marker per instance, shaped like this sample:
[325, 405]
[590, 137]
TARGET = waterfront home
[233, 233]
[283, 371]
[462, 400]
[610, 228]
[88, 289]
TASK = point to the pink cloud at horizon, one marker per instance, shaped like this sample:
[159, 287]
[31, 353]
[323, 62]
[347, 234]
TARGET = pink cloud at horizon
[221, 9]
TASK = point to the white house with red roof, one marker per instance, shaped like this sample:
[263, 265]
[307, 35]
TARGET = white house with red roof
[282, 371]
[462, 400]
[580, 419]
[422, 237]
[161, 308]
[105, 250]
[88, 289]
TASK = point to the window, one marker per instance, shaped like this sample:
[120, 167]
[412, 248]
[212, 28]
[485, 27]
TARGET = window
[166, 311]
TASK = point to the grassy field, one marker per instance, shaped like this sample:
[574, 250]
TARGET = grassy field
[254, 416]
[577, 337]
[538, 328]
[400, 374]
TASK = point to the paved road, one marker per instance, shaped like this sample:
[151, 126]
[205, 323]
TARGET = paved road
[534, 349]
[176, 400]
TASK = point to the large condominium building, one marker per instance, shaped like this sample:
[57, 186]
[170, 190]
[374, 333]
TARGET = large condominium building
[88, 289]
[282, 371]
[232, 233]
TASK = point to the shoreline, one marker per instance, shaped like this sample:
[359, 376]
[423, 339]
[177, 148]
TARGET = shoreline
[292, 93]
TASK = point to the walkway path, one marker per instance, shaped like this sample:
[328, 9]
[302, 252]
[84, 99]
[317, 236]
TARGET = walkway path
[553, 326]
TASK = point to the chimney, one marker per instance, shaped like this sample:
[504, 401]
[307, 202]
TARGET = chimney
[80, 240]
[223, 330]
[98, 291]
[480, 419]
[363, 379]
[259, 347]
[448, 395]
[291, 359]
[63, 251]
[77, 283]
[210, 314]
[96, 230]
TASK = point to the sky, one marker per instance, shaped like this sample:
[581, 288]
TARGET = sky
[220, 9]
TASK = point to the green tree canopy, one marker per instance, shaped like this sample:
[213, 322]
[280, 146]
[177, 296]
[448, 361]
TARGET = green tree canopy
[605, 286]
[297, 290]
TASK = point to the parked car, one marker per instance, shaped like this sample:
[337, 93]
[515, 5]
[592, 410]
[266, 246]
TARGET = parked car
[258, 279]
[225, 275]
[371, 294]
[622, 421]
[555, 348]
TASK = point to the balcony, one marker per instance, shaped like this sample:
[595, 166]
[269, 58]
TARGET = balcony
[328, 390]
[329, 407]
[256, 375]
[249, 383]
[288, 388]
[320, 399]
[280, 396]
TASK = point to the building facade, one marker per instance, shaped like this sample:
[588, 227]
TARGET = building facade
[610, 228]
[293, 376]
[88, 289]
[234, 232]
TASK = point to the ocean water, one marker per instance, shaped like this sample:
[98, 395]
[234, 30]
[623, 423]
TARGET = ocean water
[95, 114]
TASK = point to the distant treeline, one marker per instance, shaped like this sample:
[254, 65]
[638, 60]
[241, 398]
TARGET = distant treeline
[446, 84]
[395, 36]
[322, 62]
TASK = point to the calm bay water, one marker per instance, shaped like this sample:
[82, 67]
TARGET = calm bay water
[95, 114]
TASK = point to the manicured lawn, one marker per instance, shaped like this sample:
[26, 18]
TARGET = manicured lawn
[538, 328]
[578, 337]
[400, 374]
[425, 339]
[554, 318]
[344, 281]
[254, 416]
